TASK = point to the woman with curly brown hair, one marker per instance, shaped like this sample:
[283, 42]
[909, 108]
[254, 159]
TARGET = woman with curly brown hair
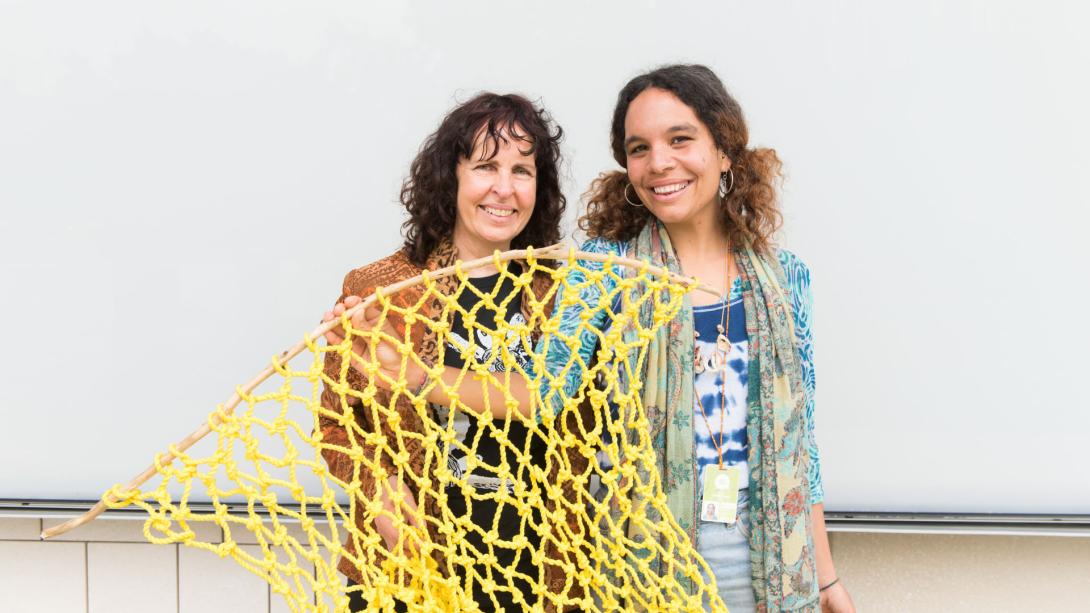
[730, 395]
[728, 388]
[486, 180]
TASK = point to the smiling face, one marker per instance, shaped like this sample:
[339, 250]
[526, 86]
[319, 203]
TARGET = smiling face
[495, 196]
[673, 161]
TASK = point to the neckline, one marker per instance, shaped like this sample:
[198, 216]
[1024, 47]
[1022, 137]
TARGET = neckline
[492, 278]
[733, 295]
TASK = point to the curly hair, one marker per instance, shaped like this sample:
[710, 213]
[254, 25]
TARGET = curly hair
[430, 192]
[750, 211]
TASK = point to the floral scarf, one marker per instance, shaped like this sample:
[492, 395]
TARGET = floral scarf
[784, 572]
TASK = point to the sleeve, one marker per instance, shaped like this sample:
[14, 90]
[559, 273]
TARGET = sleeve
[339, 409]
[802, 303]
[569, 344]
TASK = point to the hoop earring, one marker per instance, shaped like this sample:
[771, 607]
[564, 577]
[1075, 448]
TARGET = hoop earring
[629, 200]
[724, 189]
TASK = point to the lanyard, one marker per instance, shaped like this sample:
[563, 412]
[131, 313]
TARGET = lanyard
[722, 343]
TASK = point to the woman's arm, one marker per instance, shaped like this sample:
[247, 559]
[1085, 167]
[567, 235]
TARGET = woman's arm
[834, 595]
[474, 392]
[335, 439]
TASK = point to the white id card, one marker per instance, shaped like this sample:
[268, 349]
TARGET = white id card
[720, 500]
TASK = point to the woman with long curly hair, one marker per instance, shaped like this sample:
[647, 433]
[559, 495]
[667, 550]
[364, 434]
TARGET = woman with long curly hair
[729, 392]
[730, 400]
[487, 179]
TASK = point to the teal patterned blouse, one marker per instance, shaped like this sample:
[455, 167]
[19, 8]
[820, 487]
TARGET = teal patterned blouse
[798, 284]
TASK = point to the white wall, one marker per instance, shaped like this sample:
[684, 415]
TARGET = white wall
[183, 184]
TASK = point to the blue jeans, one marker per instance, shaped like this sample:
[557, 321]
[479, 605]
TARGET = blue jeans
[726, 550]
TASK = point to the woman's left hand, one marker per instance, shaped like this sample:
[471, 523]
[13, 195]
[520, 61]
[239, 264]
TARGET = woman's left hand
[836, 599]
[365, 322]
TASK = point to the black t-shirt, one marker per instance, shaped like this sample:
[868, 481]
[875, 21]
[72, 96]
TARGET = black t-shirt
[477, 435]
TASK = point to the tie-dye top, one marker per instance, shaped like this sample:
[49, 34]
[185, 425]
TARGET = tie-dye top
[708, 383]
[720, 376]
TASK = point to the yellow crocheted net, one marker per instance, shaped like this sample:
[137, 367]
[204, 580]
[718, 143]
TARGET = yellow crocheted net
[605, 541]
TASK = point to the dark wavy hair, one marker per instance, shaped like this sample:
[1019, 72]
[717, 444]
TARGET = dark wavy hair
[430, 191]
[750, 211]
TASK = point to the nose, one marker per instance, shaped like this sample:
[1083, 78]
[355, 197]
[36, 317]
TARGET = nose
[504, 186]
[662, 160]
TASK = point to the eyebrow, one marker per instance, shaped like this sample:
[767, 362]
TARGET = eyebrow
[684, 127]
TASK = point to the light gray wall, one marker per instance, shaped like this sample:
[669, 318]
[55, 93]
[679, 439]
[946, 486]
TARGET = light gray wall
[183, 184]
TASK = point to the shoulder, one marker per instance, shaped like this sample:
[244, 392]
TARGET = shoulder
[792, 265]
[542, 282]
[390, 269]
[796, 274]
[596, 246]
[797, 287]
[604, 246]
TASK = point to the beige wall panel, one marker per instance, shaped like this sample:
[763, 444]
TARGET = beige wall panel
[246, 537]
[103, 530]
[128, 530]
[208, 583]
[937, 573]
[243, 536]
[132, 578]
[39, 577]
[20, 528]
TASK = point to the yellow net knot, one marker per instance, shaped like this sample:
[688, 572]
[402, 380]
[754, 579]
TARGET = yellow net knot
[118, 497]
[560, 516]
[395, 419]
[280, 367]
[569, 300]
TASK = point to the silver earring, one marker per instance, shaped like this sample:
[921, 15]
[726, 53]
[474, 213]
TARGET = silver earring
[724, 188]
[629, 200]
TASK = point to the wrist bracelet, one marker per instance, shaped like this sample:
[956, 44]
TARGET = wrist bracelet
[831, 584]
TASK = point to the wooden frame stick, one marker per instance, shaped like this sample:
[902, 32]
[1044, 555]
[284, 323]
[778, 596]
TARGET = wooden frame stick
[553, 252]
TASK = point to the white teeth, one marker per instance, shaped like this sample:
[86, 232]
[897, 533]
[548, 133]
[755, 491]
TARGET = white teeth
[498, 212]
[669, 189]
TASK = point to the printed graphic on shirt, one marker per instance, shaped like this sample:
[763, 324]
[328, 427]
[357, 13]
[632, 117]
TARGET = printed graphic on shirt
[485, 350]
[459, 466]
[484, 507]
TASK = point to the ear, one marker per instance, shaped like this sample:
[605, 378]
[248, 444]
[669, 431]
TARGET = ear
[724, 161]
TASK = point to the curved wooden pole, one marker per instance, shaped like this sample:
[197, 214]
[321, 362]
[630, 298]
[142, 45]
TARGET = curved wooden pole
[553, 252]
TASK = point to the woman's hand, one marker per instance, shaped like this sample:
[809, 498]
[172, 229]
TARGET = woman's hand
[836, 599]
[387, 527]
[367, 320]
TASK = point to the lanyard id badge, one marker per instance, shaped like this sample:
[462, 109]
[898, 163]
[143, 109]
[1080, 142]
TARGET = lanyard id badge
[720, 500]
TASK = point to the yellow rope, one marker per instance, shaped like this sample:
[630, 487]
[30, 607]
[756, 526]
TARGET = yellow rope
[604, 544]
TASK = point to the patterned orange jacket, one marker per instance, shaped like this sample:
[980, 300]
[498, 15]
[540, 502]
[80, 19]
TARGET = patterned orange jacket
[335, 436]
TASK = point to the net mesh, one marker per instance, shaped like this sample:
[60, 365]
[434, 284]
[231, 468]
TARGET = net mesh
[592, 516]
